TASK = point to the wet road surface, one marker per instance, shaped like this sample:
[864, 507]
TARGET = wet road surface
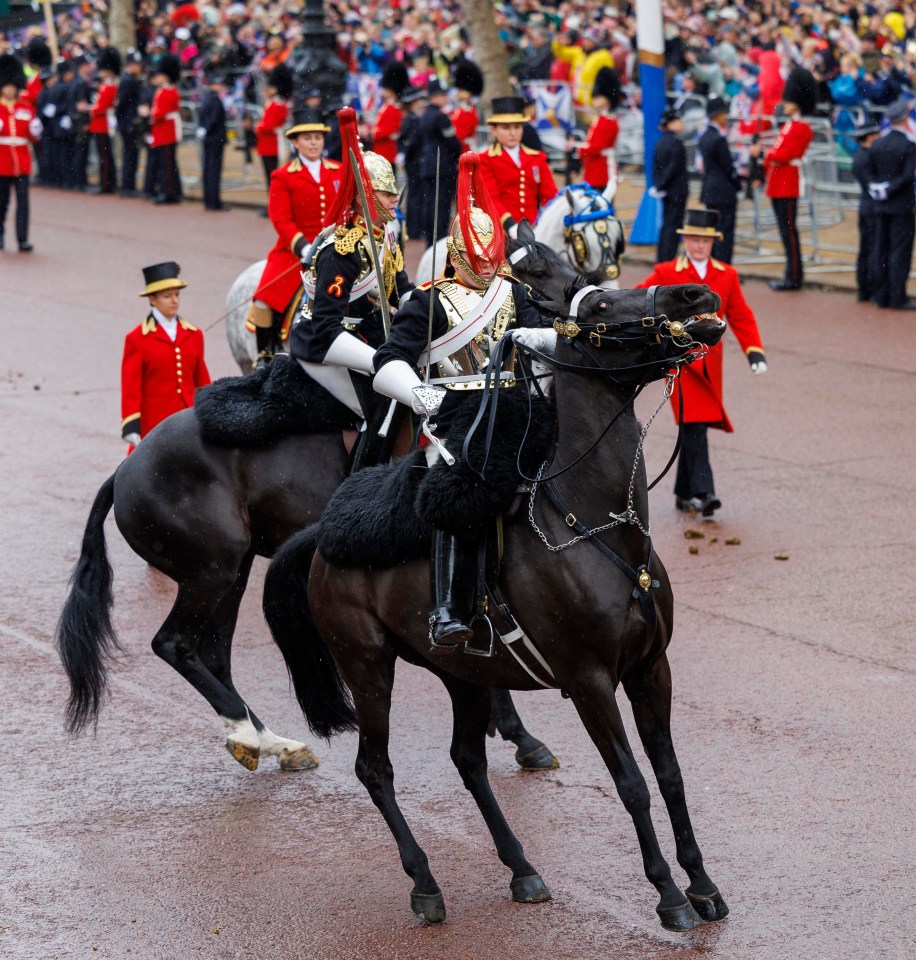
[793, 679]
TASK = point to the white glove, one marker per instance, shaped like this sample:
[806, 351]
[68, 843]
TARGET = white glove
[657, 194]
[397, 380]
[49, 110]
[201, 133]
[399, 159]
[132, 438]
[542, 339]
[513, 231]
[66, 123]
[35, 128]
[878, 191]
[759, 368]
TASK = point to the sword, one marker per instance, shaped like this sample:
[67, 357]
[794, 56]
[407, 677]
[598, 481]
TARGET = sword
[373, 248]
[432, 289]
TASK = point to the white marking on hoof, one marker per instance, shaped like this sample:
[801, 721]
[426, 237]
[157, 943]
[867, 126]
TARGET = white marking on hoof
[243, 742]
[291, 754]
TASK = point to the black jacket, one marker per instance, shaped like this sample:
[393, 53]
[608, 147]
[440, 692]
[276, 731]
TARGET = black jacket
[130, 92]
[59, 98]
[669, 167]
[892, 159]
[410, 143]
[438, 134]
[721, 182]
[211, 116]
[860, 163]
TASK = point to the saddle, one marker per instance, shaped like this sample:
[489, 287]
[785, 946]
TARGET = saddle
[259, 409]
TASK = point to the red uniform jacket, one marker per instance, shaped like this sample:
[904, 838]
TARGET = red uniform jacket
[33, 88]
[159, 376]
[602, 135]
[517, 192]
[701, 382]
[165, 117]
[15, 139]
[386, 130]
[465, 120]
[296, 206]
[98, 113]
[782, 161]
[269, 128]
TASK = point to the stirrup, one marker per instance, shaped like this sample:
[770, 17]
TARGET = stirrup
[264, 359]
[477, 651]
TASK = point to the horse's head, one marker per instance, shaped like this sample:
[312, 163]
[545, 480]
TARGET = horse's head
[594, 238]
[540, 266]
[639, 335]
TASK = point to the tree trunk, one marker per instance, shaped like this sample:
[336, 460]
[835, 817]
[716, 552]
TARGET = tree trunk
[122, 25]
[489, 51]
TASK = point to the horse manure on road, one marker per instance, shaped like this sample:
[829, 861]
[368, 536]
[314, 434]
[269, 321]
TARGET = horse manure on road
[691, 533]
[693, 549]
[733, 541]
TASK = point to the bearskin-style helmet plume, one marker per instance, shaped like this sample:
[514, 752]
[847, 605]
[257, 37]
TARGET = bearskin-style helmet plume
[169, 65]
[395, 78]
[607, 84]
[467, 76]
[11, 71]
[110, 59]
[475, 235]
[38, 53]
[342, 210]
[801, 89]
[281, 79]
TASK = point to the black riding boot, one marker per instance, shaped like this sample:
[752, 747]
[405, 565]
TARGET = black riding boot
[453, 580]
[266, 340]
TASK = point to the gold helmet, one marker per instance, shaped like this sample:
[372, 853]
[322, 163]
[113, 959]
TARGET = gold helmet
[381, 174]
[482, 232]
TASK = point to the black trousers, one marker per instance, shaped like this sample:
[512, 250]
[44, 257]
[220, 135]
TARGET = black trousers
[672, 220]
[80, 162]
[130, 160]
[694, 472]
[212, 173]
[865, 283]
[722, 249]
[893, 253]
[108, 179]
[270, 164]
[166, 179]
[430, 216]
[21, 186]
[786, 211]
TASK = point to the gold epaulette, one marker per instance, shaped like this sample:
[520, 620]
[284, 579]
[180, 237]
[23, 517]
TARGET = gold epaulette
[295, 165]
[716, 264]
[681, 263]
[346, 239]
[529, 150]
[186, 324]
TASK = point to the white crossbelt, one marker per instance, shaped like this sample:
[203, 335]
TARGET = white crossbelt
[477, 320]
[13, 142]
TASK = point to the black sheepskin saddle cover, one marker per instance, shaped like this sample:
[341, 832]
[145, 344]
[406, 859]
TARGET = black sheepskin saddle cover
[268, 405]
[385, 515]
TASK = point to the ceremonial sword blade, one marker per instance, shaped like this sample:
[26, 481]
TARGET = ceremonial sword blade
[373, 248]
[432, 289]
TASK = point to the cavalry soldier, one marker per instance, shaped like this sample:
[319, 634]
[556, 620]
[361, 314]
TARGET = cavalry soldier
[165, 130]
[721, 182]
[276, 112]
[700, 383]
[390, 116]
[468, 82]
[517, 178]
[340, 327]
[439, 142]
[102, 118]
[163, 358]
[475, 304]
[599, 163]
[19, 129]
[670, 181]
[302, 192]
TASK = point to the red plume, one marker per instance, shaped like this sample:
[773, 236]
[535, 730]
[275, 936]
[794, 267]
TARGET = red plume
[341, 210]
[472, 192]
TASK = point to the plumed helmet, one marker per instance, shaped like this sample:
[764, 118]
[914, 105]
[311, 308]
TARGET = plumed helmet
[395, 78]
[473, 235]
[468, 77]
[11, 71]
[110, 59]
[281, 79]
[381, 173]
[801, 89]
[169, 65]
[607, 84]
[38, 53]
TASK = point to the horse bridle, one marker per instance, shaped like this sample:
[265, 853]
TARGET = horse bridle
[577, 238]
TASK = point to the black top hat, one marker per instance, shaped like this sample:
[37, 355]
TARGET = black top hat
[109, 59]
[468, 77]
[607, 84]
[394, 77]
[307, 120]
[161, 276]
[507, 110]
[170, 66]
[11, 71]
[801, 89]
[715, 106]
[700, 222]
[412, 94]
[667, 115]
[282, 80]
[434, 88]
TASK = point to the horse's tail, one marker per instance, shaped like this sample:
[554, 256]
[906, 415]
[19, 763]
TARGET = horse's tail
[320, 690]
[85, 638]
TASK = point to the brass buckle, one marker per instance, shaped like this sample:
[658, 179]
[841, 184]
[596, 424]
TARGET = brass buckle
[595, 338]
[650, 323]
[570, 519]
[567, 328]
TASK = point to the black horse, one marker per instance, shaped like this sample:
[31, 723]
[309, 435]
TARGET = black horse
[200, 514]
[597, 621]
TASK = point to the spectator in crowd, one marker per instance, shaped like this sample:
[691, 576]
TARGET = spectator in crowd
[585, 58]
[537, 56]
[721, 182]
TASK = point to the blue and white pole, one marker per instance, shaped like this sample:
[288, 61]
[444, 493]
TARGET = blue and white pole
[650, 39]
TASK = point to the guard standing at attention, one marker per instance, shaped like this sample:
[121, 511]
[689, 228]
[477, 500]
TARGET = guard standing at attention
[891, 167]
[599, 162]
[130, 94]
[165, 130]
[163, 358]
[390, 116]
[59, 125]
[670, 181]
[721, 182]
[79, 106]
[468, 82]
[700, 383]
[211, 131]
[866, 134]
[273, 120]
[439, 140]
[518, 179]
[19, 129]
[102, 118]
[301, 194]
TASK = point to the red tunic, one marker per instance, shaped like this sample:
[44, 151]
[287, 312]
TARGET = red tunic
[158, 375]
[601, 137]
[15, 139]
[296, 206]
[517, 192]
[782, 161]
[98, 113]
[465, 120]
[386, 130]
[269, 127]
[33, 88]
[702, 381]
[165, 117]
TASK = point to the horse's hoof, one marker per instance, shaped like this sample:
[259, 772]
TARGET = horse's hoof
[246, 755]
[538, 759]
[682, 917]
[710, 907]
[428, 907]
[529, 889]
[301, 759]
